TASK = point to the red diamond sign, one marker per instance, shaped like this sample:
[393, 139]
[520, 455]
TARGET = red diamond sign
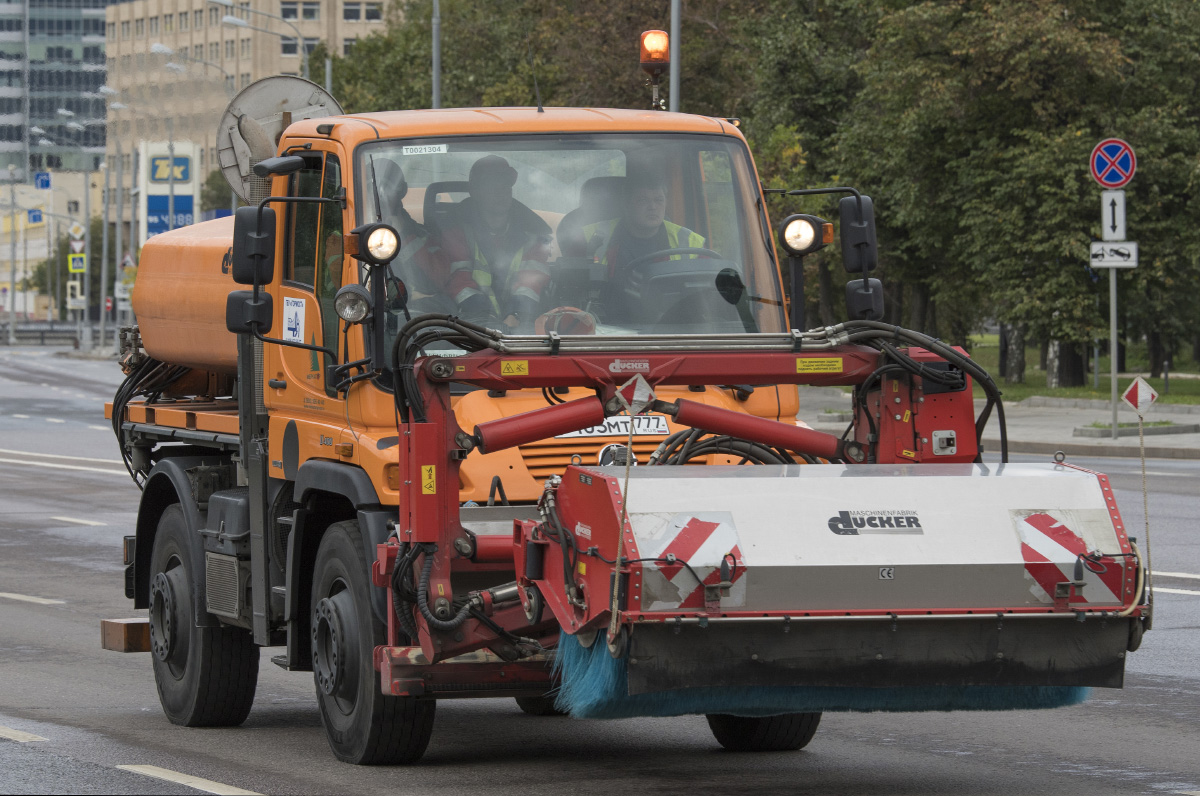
[1139, 395]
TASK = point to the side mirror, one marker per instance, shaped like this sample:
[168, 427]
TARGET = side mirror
[284, 164]
[253, 258]
[860, 251]
[730, 285]
[243, 313]
[864, 303]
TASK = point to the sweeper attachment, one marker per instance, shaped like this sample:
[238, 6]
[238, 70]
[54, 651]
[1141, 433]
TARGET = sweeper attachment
[888, 569]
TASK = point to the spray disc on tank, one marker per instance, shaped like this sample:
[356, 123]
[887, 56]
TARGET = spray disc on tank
[255, 119]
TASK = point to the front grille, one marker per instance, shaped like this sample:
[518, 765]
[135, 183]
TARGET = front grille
[551, 456]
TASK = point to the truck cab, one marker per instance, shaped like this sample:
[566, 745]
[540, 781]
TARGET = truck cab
[565, 258]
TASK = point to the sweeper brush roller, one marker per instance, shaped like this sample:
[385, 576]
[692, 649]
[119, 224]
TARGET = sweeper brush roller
[787, 589]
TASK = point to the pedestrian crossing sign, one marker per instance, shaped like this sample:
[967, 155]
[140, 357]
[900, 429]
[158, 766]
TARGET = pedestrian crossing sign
[76, 263]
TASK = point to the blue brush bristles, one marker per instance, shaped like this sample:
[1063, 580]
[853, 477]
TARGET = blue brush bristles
[593, 685]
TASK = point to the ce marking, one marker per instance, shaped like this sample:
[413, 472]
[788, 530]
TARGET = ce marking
[887, 573]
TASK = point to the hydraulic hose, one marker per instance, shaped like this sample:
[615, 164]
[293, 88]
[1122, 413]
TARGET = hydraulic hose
[423, 602]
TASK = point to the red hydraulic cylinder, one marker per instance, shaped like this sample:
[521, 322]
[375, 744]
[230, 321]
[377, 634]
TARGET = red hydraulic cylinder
[758, 429]
[493, 549]
[527, 427]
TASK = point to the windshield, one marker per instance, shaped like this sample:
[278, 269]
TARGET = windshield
[575, 234]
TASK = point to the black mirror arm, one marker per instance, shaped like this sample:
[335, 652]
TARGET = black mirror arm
[258, 229]
[297, 200]
[816, 191]
[322, 349]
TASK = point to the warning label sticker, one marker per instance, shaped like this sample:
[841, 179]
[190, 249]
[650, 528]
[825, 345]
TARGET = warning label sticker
[428, 479]
[819, 365]
[514, 367]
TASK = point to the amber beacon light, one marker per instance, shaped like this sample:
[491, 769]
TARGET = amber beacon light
[656, 52]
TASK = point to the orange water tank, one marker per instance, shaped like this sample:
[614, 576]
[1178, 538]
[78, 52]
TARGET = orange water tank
[179, 296]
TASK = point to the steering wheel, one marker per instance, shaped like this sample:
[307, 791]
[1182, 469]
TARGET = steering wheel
[665, 253]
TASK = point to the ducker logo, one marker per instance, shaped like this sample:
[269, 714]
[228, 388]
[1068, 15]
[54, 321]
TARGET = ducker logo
[853, 523]
[629, 366]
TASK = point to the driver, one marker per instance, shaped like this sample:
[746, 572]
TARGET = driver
[641, 231]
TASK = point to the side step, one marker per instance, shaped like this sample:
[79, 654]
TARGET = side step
[125, 635]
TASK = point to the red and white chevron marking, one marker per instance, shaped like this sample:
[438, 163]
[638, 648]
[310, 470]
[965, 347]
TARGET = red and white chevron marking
[703, 542]
[1050, 550]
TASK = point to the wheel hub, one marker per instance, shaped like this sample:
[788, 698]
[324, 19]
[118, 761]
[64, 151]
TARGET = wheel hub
[328, 640]
[162, 617]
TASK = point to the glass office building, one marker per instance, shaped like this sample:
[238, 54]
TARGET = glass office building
[51, 66]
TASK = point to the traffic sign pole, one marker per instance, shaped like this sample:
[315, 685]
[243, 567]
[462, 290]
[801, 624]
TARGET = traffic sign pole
[87, 257]
[1113, 164]
[1112, 342]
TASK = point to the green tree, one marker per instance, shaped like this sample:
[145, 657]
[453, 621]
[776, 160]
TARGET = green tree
[214, 193]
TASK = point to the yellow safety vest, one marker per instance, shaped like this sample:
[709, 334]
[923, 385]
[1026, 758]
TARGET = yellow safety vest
[605, 229]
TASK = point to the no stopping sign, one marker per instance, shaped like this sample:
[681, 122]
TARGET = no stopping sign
[1113, 163]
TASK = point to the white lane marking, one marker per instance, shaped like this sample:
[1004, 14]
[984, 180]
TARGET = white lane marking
[100, 428]
[25, 598]
[18, 736]
[1177, 591]
[22, 417]
[64, 466]
[55, 420]
[1188, 575]
[61, 456]
[206, 785]
[78, 522]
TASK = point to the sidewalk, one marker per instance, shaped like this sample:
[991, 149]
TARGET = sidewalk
[1041, 425]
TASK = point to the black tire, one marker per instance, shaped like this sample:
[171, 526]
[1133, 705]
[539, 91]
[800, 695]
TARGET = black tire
[785, 733]
[206, 676]
[539, 706]
[363, 726]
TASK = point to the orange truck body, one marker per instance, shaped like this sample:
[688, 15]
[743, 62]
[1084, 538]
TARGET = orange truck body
[183, 281]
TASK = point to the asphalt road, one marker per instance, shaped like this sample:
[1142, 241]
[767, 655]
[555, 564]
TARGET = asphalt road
[65, 503]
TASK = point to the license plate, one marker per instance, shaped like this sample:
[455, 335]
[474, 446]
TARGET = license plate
[643, 425]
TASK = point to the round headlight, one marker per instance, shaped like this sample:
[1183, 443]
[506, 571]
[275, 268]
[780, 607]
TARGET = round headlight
[352, 303]
[382, 243]
[799, 234]
[805, 234]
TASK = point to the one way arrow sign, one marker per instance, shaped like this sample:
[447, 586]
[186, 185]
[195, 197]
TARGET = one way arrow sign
[1112, 215]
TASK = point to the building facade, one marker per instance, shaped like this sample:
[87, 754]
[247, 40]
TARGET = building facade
[51, 68]
[173, 66]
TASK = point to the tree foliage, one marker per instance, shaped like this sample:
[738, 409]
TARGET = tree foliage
[970, 122]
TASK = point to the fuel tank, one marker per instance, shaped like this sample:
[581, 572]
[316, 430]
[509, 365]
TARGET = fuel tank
[179, 296]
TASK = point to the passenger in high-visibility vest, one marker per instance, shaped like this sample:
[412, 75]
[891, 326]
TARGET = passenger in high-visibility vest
[641, 231]
[498, 250]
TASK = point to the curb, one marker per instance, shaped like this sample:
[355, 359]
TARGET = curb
[1091, 403]
[1148, 431]
[1083, 449]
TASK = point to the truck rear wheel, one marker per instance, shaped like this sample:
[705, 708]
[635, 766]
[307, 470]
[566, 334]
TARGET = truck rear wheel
[363, 725]
[539, 706]
[206, 676]
[784, 733]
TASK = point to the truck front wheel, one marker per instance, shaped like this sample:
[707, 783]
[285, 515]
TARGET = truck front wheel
[206, 676]
[784, 733]
[362, 724]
